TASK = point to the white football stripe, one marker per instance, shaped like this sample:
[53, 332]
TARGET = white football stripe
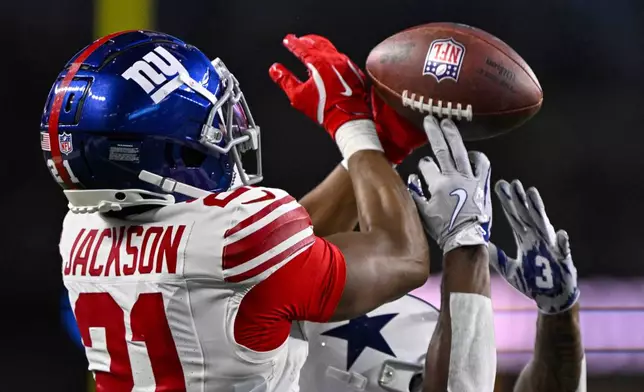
[282, 246]
[265, 274]
[319, 84]
[279, 211]
[355, 71]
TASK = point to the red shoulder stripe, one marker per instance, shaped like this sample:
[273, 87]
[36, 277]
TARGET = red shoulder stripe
[272, 261]
[258, 215]
[266, 238]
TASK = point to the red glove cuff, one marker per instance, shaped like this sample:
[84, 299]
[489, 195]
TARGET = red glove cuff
[344, 112]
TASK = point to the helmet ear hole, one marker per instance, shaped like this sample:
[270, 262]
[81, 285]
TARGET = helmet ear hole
[192, 157]
[70, 102]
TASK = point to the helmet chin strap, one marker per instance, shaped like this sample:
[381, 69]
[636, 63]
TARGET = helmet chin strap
[87, 201]
[169, 185]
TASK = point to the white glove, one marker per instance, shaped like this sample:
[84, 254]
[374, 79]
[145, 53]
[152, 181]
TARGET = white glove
[543, 269]
[458, 212]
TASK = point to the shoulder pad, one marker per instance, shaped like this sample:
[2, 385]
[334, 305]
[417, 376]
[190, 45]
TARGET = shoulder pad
[267, 229]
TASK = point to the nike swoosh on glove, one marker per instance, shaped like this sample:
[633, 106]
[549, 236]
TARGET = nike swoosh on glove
[335, 92]
[398, 136]
[458, 212]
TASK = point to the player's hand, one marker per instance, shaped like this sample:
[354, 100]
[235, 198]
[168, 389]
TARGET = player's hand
[398, 136]
[458, 212]
[543, 269]
[335, 91]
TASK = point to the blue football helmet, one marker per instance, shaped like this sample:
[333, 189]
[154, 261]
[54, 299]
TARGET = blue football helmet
[141, 117]
[383, 350]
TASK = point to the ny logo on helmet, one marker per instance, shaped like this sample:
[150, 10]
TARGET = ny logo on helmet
[150, 79]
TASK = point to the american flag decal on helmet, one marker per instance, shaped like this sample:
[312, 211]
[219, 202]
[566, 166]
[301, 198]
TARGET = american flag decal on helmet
[44, 141]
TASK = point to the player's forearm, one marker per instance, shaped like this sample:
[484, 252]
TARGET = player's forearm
[332, 204]
[384, 205]
[465, 276]
[557, 362]
[466, 270]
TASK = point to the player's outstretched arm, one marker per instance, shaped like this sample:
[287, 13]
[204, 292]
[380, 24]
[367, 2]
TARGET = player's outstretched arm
[544, 272]
[558, 363]
[332, 204]
[389, 256]
[461, 355]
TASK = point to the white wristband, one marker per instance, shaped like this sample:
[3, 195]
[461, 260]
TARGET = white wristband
[357, 135]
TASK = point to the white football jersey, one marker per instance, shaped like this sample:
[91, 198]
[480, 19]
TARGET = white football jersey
[170, 299]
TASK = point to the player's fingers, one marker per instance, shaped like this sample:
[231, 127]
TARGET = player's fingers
[438, 143]
[298, 47]
[415, 186]
[318, 42]
[455, 143]
[482, 170]
[480, 166]
[520, 201]
[284, 79]
[421, 206]
[538, 214]
[430, 171]
[504, 193]
[563, 243]
[416, 193]
[506, 267]
[498, 259]
[420, 201]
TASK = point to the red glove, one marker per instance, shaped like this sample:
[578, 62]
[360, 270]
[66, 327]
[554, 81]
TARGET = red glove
[335, 91]
[398, 136]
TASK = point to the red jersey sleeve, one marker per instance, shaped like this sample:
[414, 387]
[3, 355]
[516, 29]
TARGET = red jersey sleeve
[308, 287]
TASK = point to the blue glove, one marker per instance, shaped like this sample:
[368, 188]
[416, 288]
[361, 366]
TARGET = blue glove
[543, 269]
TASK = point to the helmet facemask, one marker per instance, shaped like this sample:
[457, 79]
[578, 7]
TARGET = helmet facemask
[229, 129]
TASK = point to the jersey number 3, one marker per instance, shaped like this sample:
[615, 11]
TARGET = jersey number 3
[149, 326]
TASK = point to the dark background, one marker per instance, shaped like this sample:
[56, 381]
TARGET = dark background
[583, 150]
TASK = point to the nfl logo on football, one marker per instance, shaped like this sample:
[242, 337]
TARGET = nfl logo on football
[444, 59]
[65, 140]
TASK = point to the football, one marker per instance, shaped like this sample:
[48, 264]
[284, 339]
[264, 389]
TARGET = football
[456, 71]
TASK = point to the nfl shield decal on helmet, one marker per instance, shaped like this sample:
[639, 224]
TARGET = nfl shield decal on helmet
[444, 59]
[65, 140]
